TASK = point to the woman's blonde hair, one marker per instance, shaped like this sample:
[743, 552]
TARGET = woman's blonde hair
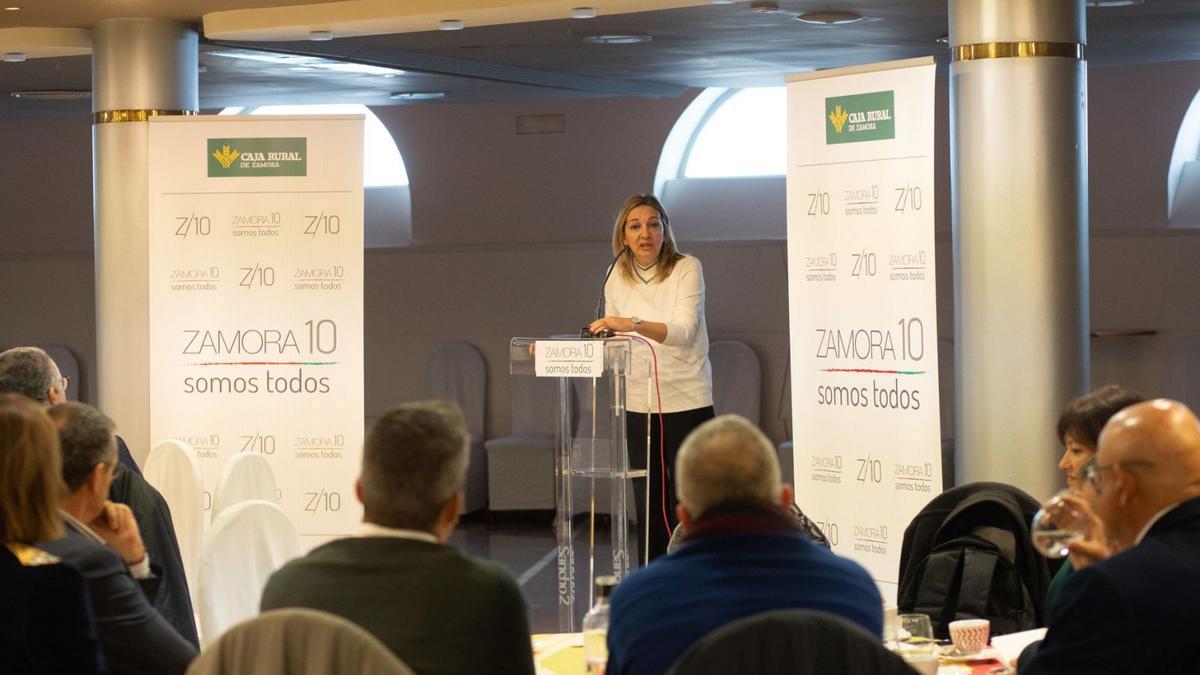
[31, 483]
[667, 257]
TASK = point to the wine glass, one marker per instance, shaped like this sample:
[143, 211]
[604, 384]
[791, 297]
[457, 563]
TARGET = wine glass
[1057, 525]
[914, 634]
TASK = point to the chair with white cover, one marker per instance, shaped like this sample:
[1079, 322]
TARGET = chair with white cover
[244, 476]
[455, 371]
[736, 379]
[521, 466]
[173, 469]
[297, 642]
[245, 544]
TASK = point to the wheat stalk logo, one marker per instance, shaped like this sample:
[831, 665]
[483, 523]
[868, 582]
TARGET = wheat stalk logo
[837, 117]
[226, 156]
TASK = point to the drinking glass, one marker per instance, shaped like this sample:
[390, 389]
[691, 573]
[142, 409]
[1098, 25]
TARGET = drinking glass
[914, 634]
[1056, 525]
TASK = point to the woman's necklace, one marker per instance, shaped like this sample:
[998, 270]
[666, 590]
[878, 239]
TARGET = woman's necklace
[638, 269]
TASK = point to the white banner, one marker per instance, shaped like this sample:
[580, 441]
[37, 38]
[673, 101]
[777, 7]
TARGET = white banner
[862, 303]
[256, 303]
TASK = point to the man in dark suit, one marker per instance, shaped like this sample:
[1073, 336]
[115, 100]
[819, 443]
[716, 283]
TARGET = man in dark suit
[743, 554]
[31, 372]
[102, 542]
[1134, 611]
[438, 610]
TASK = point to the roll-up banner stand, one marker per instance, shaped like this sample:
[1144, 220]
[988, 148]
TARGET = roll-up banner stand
[256, 303]
[861, 294]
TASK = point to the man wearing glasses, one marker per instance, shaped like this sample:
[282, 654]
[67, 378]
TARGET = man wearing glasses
[31, 372]
[1134, 602]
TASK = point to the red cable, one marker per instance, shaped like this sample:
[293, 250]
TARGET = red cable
[662, 458]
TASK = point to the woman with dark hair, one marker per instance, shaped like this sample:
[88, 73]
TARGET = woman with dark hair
[45, 615]
[657, 293]
[1079, 428]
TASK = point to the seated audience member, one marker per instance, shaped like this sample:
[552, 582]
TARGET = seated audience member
[31, 372]
[1079, 428]
[1134, 611]
[46, 621]
[102, 542]
[438, 610]
[744, 554]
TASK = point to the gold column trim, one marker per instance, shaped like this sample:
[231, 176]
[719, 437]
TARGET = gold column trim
[1008, 50]
[107, 116]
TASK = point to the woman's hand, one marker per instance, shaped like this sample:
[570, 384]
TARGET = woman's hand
[616, 324]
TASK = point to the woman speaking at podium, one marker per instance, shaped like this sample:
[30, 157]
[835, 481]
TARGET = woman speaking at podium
[657, 293]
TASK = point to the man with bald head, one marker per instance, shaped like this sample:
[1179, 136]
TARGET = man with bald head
[743, 555]
[1135, 610]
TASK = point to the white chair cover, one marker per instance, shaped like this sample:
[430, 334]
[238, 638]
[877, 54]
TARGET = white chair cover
[245, 544]
[297, 642]
[172, 468]
[455, 371]
[244, 476]
[521, 466]
[737, 379]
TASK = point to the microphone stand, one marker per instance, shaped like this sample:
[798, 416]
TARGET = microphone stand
[584, 332]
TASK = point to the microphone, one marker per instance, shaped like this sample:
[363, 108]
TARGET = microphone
[584, 332]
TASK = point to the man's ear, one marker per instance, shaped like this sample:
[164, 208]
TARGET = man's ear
[787, 496]
[358, 490]
[97, 479]
[682, 515]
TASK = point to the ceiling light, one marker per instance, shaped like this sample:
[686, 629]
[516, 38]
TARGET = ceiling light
[722, 2]
[1113, 3]
[450, 24]
[618, 39]
[417, 95]
[764, 7]
[830, 18]
[320, 35]
[53, 94]
[14, 57]
[583, 13]
[12, 9]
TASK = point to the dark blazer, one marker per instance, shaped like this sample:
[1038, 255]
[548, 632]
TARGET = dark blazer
[45, 617]
[158, 534]
[1135, 612]
[441, 612]
[135, 638]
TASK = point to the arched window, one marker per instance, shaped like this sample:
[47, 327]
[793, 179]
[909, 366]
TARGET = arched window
[1183, 175]
[721, 172]
[388, 208]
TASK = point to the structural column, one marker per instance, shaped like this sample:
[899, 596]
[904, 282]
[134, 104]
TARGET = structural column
[1018, 154]
[141, 68]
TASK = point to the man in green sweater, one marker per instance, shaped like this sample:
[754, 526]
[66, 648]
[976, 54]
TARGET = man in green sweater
[438, 610]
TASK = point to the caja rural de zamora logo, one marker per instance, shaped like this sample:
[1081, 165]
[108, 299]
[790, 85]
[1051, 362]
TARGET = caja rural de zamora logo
[860, 117]
[257, 157]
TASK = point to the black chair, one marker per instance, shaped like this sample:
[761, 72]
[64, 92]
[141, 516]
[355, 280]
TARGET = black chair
[790, 642]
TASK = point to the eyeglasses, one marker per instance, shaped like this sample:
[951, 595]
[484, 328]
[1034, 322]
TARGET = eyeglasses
[1093, 469]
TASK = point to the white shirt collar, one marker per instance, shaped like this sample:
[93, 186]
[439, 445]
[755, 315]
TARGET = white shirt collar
[373, 530]
[1150, 523]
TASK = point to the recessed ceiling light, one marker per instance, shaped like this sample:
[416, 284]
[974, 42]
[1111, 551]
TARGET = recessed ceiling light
[320, 35]
[14, 57]
[830, 18]
[12, 9]
[450, 24]
[583, 13]
[618, 39]
[1113, 3]
[53, 94]
[722, 2]
[417, 95]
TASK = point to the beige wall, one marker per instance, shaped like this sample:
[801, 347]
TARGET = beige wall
[509, 236]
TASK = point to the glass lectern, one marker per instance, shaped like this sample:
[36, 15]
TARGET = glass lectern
[591, 466]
